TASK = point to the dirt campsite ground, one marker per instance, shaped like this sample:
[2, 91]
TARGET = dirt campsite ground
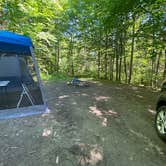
[105, 125]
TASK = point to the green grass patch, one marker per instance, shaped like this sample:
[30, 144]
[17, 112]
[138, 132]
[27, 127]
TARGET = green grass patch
[55, 77]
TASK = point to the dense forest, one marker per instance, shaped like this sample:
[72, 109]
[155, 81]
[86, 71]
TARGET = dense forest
[118, 40]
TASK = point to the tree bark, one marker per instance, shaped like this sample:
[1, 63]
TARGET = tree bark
[157, 68]
[121, 56]
[164, 72]
[99, 57]
[120, 68]
[125, 65]
[72, 63]
[152, 72]
[58, 56]
[106, 56]
[111, 67]
[98, 63]
[132, 51]
[117, 58]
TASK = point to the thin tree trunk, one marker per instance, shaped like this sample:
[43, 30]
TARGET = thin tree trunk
[164, 72]
[105, 65]
[152, 73]
[157, 68]
[98, 64]
[117, 67]
[153, 55]
[70, 58]
[111, 67]
[106, 57]
[57, 58]
[72, 68]
[132, 51]
[124, 55]
[120, 68]
[117, 60]
[125, 65]
[72, 61]
[113, 62]
[99, 57]
[121, 55]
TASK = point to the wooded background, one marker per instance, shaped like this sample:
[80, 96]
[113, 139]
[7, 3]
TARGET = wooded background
[118, 40]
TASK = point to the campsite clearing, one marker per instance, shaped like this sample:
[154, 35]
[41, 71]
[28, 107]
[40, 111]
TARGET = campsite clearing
[105, 124]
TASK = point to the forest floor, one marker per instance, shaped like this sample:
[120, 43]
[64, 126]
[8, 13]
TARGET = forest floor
[105, 124]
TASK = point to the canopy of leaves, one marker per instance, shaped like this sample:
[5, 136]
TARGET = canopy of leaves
[111, 39]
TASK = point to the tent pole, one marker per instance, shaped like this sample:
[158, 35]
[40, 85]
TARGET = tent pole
[38, 75]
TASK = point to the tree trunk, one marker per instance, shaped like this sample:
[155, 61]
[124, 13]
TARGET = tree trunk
[125, 65]
[98, 63]
[117, 60]
[113, 62]
[164, 72]
[121, 56]
[106, 56]
[117, 67]
[157, 68]
[105, 65]
[120, 68]
[70, 58]
[132, 51]
[124, 55]
[58, 55]
[152, 82]
[111, 67]
[72, 61]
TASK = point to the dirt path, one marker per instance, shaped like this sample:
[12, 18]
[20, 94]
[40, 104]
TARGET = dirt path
[104, 125]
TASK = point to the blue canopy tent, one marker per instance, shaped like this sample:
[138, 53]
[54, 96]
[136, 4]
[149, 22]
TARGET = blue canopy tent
[14, 43]
[11, 43]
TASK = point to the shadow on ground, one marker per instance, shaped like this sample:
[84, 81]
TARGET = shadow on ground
[104, 124]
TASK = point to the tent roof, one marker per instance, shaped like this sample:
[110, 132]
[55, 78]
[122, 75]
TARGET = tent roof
[14, 43]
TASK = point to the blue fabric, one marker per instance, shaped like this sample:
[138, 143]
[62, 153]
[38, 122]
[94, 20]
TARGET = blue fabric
[14, 43]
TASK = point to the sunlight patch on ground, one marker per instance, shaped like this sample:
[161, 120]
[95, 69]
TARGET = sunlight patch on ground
[62, 97]
[96, 111]
[93, 154]
[101, 98]
[74, 103]
[84, 94]
[46, 132]
[59, 103]
[139, 96]
[104, 122]
[111, 113]
[152, 111]
[102, 114]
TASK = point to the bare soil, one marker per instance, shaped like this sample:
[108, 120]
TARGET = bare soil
[105, 124]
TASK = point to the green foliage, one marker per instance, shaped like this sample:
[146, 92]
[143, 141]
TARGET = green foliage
[55, 77]
[93, 38]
